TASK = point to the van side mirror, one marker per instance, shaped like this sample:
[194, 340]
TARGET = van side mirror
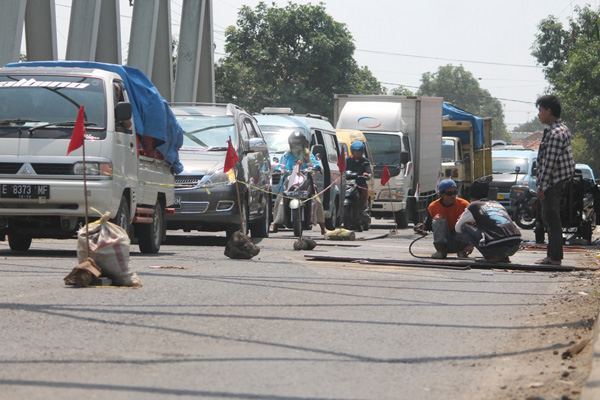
[318, 150]
[404, 157]
[534, 171]
[123, 111]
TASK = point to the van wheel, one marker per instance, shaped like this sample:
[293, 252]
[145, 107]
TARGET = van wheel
[150, 235]
[401, 219]
[18, 242]
[122, 217]
[330, 223]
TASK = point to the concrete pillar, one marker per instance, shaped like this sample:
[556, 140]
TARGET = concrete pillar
[83, 30]
[40, 30]
[12, 17]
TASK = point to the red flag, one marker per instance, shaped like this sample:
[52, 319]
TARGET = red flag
[230, 158]
[342, 161]
[78, 132]
[385, 175]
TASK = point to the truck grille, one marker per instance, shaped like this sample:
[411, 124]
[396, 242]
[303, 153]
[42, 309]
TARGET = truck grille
[10, 168]
[193, 207]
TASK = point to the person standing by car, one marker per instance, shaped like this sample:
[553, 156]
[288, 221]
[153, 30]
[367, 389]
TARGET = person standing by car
[442, 217]
[555, 168]
[299, 154]
[486, 224]
[358, 164]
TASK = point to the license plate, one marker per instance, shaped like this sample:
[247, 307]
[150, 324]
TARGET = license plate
[500, 196]
[177, 202]
[9, 191]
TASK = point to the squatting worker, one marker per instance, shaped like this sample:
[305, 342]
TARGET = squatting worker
[555, 169]
[442, 217]
[486, 224]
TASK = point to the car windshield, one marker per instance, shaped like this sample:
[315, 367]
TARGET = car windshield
[277, 137]
[507, 165]
[203, 132]
[28, 101]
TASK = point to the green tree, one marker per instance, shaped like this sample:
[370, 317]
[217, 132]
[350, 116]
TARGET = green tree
[529, 126]
[571, 60]
[402, 91]
[460, 88]
[296, 56]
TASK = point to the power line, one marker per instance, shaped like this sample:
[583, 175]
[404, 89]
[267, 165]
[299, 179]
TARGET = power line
[447, 59]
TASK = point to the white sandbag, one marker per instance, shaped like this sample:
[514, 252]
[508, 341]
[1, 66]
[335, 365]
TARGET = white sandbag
[109, 248]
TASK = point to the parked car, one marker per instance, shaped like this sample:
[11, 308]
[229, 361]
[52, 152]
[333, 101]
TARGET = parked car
[504, 163]
[278, 123]
[586, 171]
[205, 196]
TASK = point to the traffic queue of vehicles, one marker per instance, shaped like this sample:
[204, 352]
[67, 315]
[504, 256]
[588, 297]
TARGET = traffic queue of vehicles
[174, 178]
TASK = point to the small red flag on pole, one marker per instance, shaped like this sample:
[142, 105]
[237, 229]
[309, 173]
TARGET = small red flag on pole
[342, 161]
[385, 175]
[78, 132]
[231, 157]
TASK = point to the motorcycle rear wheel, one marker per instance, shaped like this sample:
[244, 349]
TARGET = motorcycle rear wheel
[523, 217]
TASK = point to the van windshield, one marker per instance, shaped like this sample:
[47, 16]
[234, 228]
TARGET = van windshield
[28, 101]
[207, 132]
[277, 137]
[385, 149]
[507, 165]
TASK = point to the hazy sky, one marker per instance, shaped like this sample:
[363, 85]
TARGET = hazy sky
[399, 40]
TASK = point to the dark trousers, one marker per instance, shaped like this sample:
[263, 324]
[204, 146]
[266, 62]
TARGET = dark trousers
[499, 250]
[551, 217]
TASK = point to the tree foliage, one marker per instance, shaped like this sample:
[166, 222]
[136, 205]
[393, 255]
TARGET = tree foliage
[295, 56]
[571, 60]
[460, 88]
[402, 91]
[530, 126]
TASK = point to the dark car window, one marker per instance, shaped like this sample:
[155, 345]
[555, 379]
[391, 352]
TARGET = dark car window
[252, 131]
[330, 147]
[201, 132]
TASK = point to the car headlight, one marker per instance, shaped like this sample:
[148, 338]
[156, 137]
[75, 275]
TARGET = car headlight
[93, 168]
[218, 177]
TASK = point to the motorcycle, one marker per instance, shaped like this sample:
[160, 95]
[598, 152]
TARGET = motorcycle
[354, 217]
[299, 213]
[524, 201]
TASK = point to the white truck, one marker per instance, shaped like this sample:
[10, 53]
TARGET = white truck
[405, 135]
[42, 188]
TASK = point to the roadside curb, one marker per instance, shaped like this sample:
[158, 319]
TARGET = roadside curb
[591, 390]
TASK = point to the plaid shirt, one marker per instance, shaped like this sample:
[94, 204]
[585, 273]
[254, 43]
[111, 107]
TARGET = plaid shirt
[555, 156]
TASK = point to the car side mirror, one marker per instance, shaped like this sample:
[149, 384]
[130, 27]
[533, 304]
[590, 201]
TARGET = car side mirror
[257, 145]
[534, 171]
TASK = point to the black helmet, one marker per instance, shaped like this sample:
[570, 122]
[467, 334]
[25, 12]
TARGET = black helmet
[297, 138]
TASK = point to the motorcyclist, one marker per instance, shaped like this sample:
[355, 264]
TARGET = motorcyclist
[299, 154]
[360, 165]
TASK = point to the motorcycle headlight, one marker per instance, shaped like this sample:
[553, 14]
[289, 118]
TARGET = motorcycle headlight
[93, 168]
[218, 177]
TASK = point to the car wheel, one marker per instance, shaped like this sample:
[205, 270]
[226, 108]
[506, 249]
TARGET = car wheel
[18, 242]
[260, 229]
[150, 235]
[401, 219]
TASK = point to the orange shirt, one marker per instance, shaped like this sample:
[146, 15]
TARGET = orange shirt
[451, 213]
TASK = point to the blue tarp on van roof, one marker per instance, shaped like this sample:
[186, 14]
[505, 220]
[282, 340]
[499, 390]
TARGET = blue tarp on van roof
[151, 113]
[459, 115]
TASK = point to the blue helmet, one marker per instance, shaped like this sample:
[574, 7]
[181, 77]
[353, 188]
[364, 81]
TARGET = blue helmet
[357, 145]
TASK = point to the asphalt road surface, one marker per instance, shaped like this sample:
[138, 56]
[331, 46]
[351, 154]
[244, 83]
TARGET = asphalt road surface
[278, 326]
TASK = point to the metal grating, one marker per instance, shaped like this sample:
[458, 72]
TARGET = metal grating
[10, 168]
[52, 169]
[188, 180]
[193, 207]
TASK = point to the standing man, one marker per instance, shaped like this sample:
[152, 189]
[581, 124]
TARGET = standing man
[555, 168]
